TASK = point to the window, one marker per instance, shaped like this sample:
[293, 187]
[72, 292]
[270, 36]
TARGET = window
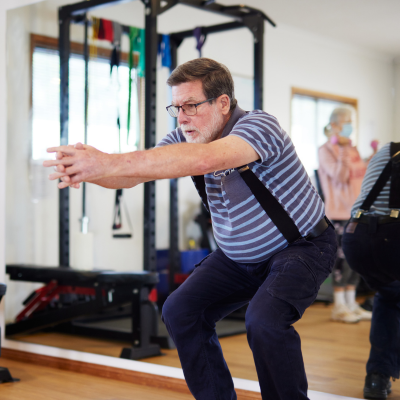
[310, 112]
[108, 98]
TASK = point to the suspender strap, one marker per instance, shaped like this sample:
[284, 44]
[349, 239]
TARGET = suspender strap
[394, 199]
[378, 186]
[267, 201]
[201, 188]
[271, 205]
[383, 178]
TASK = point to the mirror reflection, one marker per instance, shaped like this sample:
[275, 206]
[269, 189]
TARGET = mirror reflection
[90, 268]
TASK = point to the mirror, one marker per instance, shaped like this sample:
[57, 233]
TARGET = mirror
[305, 51]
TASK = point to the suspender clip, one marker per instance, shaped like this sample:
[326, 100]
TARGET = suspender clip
[242, 169]
[396, 158]
[359, 213]
[394, 213]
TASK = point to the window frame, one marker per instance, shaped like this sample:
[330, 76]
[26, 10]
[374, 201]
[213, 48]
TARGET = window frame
[316, 95]
[76, 48]
[325, 96]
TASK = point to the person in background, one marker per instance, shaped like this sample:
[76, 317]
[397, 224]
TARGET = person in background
[341, 171]
[371, 245]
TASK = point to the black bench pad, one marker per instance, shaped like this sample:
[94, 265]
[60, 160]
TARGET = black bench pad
[74, 277]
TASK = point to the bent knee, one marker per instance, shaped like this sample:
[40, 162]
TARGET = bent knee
[273, 314]
[170, 306]
[179, 310]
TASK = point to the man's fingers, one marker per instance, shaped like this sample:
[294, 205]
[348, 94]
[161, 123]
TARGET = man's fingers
[63, 185]
[58, 175]
[72, 170]
[54, 163]
[80, 146]
[68, 150]
[66, 178]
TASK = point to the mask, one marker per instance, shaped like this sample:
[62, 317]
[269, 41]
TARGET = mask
[347, 130]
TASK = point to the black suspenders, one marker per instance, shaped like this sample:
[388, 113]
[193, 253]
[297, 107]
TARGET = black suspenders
[392, 169]
[268, 202]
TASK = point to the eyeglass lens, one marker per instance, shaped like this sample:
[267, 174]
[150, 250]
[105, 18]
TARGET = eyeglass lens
[188, 109]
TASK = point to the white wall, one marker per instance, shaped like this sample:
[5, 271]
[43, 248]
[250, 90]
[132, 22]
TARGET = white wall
[296, 58]
[4, 6]
[292, 58]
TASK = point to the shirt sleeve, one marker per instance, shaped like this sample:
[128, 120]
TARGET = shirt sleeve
[263, 133]
[172, 138]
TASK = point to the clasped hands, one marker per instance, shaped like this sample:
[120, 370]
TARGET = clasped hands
[75, 164]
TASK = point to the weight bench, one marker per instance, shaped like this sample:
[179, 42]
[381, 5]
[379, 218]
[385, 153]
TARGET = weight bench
[70, 294]
[5, 375]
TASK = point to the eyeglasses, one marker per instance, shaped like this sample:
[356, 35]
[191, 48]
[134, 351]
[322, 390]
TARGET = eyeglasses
[188, 109]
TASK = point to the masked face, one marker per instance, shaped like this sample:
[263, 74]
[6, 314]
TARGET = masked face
[347, 130]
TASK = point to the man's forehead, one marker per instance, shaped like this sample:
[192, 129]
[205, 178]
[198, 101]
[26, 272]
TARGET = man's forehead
[187, 92]
[191, 99]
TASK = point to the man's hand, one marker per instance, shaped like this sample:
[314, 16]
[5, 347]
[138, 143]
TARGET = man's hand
[60, 171]
[76, 164]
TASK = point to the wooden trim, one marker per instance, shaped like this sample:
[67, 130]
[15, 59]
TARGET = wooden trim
[47, 42]
[119, 374]
[322, 95]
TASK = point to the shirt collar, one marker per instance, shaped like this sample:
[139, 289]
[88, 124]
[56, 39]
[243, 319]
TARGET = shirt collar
[237, 113]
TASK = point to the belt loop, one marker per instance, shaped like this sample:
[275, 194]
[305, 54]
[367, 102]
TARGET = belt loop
[373, 225]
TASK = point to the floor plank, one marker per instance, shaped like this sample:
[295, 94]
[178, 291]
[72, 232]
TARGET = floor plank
[39, 382]
[334, 353]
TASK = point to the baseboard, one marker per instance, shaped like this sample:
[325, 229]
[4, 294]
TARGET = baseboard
[120, 374]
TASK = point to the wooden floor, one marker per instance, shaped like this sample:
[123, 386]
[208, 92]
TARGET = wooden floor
[44, 383]
[334, 353]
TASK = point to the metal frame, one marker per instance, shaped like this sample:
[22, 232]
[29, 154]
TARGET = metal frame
[100, 291]
[243, 16]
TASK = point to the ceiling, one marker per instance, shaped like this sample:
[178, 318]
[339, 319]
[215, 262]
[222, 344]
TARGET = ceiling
[373, 24]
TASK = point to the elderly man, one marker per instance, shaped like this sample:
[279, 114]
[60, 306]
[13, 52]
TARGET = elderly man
[275, 245]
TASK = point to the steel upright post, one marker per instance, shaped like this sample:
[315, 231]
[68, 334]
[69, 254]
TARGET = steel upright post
[64, 19]
[174, 255]
[149, 238]
[258, 32]
[85, 219]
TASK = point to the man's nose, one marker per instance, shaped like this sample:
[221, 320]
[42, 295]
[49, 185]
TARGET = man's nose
[182, 117]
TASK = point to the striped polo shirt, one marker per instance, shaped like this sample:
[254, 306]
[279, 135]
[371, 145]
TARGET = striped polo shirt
[242, 229]
[375, 167]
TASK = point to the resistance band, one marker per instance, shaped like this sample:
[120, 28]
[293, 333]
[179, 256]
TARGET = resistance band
[200, 38]
[164, 50]
[136, 44]
[117, 223]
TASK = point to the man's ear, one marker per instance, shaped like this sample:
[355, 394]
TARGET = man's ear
[225, 104]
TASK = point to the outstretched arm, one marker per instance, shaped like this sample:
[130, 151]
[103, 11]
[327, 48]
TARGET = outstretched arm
[172, 161]
[109, 183]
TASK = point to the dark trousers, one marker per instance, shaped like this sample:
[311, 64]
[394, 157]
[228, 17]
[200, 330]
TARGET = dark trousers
[278, 292]
[374, 252]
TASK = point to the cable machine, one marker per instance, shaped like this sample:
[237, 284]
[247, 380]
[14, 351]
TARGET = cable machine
[242, 16]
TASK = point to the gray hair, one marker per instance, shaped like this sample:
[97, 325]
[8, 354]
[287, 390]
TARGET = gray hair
[215, 77]
[337, 114]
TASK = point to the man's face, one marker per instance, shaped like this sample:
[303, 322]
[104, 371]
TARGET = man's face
[207, 124]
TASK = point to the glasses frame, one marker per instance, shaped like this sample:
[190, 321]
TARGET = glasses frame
[180, 107]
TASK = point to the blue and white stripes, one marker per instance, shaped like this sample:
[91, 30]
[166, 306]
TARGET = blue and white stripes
[375, 168]
[241, 227]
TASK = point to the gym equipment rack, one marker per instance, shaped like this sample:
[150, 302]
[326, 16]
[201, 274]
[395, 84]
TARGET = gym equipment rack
[243, 16]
